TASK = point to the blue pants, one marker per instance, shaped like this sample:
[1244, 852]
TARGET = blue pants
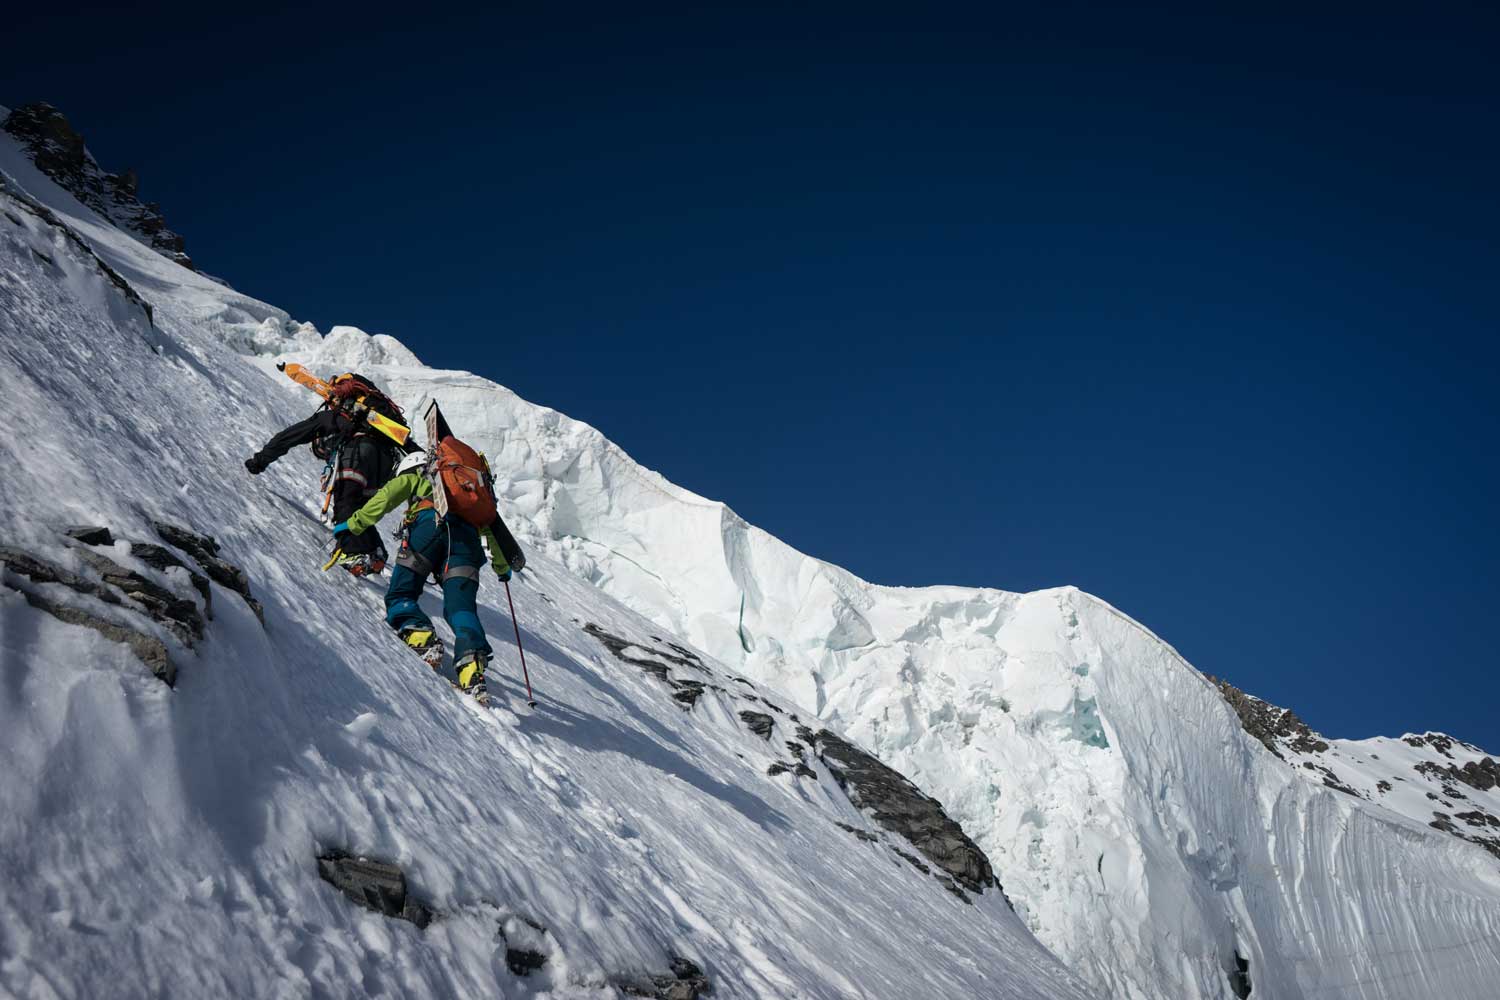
[452, 552]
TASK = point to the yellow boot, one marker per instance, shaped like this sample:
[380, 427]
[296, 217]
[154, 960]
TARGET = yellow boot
[471, 677]
[426, 644]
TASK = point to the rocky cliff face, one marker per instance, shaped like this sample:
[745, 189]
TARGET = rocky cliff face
[59, 152]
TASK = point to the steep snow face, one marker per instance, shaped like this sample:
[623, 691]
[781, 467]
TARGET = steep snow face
[1148, 839]
[162, 841]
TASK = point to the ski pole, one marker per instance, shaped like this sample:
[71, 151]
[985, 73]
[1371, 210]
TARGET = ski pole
[529, 699]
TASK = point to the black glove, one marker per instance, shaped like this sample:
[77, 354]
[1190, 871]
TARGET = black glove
[519, 562]
[254, 465]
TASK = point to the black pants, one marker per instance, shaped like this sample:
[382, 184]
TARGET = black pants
[364, 467]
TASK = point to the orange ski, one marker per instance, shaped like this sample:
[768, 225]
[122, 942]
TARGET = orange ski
[302, 376]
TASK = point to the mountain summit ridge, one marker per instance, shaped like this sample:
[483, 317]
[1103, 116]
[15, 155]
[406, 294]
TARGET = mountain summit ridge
[59, 151]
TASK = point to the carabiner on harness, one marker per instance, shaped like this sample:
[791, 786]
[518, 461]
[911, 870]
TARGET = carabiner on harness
[326, 484]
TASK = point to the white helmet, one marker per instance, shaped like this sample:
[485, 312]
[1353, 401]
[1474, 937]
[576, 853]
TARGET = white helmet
[415, 462]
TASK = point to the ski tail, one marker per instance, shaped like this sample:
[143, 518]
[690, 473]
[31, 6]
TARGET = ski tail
[437, 429]
[396, 431]
[437, 425]
[509, 548]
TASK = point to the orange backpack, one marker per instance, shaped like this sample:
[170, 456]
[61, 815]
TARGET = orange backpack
[465, 477]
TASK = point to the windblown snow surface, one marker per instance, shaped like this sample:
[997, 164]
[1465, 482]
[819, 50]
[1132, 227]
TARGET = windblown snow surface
[161, 841]
[164, 840]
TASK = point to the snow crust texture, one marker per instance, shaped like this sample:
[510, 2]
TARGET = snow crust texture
[659, 816]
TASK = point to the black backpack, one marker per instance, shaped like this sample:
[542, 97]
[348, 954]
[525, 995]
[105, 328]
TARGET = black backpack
[352, 388]
[351, 394]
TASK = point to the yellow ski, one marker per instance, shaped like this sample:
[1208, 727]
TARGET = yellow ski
[395, 431]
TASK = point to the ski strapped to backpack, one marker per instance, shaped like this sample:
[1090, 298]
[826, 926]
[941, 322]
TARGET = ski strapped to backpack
[355, 396]
[467, 492]
[463, 485]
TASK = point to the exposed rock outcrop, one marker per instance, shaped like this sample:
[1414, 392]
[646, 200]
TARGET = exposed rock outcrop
[59, 152]
[685, 981]
[758, 723]
[658, 663]
[179, 614]
[528, 944]
[205, 552]
[864, 835]
[91, 534]
[380, 887]
[150, 651]
[131, 591]
[376, 885]
[902, 808]
[1239, 977]
[162, 560]
[1279, 729]
[1480, 775]
[688, 692]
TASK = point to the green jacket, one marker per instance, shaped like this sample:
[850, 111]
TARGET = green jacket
[411, 488]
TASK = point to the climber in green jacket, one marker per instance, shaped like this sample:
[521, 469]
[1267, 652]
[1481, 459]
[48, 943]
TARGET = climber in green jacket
[452, 552]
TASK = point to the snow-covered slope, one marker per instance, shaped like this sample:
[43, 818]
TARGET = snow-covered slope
[1148, 838]
[165, 841]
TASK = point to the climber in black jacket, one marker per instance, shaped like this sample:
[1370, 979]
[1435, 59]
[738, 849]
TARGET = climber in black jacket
[359, 462]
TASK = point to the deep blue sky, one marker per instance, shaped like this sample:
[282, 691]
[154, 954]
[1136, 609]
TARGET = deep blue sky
[1194, 312]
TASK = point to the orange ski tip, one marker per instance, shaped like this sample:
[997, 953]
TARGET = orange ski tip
[303, 377]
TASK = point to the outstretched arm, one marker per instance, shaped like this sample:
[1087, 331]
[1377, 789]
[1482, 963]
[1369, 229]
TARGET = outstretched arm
[299, 433]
